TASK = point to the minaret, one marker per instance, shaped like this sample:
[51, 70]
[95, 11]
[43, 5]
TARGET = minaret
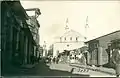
[86, 26]
[44, 45]
[44, 49]
[67, 25]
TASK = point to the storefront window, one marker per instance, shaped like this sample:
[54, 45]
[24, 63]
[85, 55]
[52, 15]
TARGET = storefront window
[76, 39]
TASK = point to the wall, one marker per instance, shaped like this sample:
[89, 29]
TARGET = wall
[105, 40]
[68, 43]
[34, 28]
[104, 44]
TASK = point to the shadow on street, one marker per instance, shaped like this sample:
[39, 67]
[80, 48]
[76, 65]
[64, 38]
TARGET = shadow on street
[42, 69]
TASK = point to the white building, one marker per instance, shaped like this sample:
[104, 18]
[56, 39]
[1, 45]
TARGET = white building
[70, 40]
[44, 50]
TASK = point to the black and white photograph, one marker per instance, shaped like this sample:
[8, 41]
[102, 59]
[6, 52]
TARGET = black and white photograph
[60, 38]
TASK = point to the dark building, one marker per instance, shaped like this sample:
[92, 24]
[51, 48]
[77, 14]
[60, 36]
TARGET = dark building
[17, 39]
[34, 26]
[101, 48]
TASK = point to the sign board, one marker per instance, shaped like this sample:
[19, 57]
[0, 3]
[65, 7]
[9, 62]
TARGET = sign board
[82, 71]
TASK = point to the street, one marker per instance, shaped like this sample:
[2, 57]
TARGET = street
[99, 74]
[34, 35]
[42, 69]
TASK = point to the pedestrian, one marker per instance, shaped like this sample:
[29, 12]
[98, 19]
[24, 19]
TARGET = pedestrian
[116, 59]
[50, 60]
[57, 60]
[53, 59]
[38, 59]
[32, 59]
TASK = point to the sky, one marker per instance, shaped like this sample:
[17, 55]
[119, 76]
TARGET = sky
[103, 17]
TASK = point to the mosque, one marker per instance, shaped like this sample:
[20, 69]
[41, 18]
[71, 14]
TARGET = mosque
[69, 41]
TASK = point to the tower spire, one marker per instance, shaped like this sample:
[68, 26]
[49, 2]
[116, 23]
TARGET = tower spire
[67, 23]
[86, 26]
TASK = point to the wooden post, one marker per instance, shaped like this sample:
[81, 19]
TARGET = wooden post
[88, 58]
[100, 49]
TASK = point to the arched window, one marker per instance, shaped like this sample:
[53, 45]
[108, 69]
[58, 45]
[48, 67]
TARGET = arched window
[60, 39]
[70, 38]
[76, 39]
[67, 45]
[65, 38]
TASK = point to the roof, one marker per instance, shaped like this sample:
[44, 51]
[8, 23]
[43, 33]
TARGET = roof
[116, 40]
[34, 9]
[17, 7]
[72, 31]
[103, 36]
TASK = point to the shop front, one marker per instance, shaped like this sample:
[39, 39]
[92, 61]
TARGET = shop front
[101, 49]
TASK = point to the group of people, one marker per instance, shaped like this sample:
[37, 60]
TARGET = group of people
[79, 58]
[55, 60]
[51, 59]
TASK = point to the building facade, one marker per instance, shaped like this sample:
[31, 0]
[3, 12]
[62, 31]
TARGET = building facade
[17, 39]
[44, 50]
[100, 49]
[34, 26]
[69, 41]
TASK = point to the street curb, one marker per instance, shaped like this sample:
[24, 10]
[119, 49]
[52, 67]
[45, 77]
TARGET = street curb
[91, 68]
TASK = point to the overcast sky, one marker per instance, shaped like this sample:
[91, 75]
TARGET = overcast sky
[103, 17]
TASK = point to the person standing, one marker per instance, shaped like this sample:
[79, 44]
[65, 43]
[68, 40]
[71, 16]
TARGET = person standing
[53, 59]
[116, 60]
[57, 59]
